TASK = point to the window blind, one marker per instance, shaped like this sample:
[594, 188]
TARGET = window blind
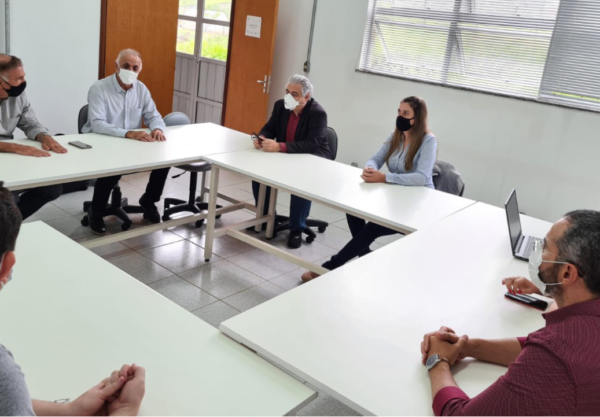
[572, 75]
[498, 46]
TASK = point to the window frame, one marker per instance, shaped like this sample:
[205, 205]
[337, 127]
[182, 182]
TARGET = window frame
[453, 41]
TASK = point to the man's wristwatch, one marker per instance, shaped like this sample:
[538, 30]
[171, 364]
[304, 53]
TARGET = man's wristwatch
[433, 360]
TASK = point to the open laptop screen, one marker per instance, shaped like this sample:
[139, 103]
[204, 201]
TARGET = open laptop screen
[514, 219]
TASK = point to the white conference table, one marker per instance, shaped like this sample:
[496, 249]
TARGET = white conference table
[70, 318]
[355, 332]
[333, 184]
[112, 155]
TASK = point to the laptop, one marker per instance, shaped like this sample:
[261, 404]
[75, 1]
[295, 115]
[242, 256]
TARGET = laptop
[521, 245]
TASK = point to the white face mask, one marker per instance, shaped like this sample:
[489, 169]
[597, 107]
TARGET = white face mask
[127, 77]
[289, 102]
[9, 274]
[535, 261]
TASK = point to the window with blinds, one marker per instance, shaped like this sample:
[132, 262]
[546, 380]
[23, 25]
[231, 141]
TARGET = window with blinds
[538, 49]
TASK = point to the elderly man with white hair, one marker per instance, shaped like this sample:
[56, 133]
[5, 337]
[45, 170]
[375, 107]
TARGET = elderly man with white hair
[117, 105]
[298, 124]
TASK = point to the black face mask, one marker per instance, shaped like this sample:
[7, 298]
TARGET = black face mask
[403, 124]
[16, 91]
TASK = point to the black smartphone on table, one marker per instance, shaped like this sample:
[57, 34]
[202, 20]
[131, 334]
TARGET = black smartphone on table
[80, 145]
[528, 300]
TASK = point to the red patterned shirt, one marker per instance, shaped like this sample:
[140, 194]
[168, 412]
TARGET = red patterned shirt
[557, 372]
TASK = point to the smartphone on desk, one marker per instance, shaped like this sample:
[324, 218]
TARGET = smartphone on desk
[528, 300]
[80, 145]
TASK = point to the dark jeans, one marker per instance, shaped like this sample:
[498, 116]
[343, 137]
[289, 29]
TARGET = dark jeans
[299, 208]
[104, 186]
[30, 201]
[363, 234]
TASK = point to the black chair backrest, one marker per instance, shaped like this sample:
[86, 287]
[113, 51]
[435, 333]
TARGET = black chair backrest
[446, 178]
[83, 118]
[332, 140]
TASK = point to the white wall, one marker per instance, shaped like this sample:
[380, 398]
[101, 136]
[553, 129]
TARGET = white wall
[549, 154]
[59, 43]
[291, 45]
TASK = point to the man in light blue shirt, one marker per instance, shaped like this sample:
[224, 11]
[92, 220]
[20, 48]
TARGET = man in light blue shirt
[116, 107]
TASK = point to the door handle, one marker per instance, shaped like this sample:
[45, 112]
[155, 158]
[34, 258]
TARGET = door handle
[264, 83]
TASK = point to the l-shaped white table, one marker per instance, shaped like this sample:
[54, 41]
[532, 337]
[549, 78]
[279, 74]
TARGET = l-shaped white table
[70, 318]
[355, 332]
[336, 185]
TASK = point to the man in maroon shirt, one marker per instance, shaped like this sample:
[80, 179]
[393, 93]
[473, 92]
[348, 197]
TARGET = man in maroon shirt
[298, 124]
[553, 371]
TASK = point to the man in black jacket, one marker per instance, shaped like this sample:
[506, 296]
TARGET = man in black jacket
[298, 124]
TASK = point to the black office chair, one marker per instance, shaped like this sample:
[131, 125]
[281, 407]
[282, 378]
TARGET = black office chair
[283, 222]
[193, 205]
[118, 205]
[446, 178]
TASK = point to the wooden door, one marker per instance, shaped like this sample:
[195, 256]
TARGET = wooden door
[149, 27]
[250, 62]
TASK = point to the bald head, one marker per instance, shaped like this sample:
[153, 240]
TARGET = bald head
[9, 63]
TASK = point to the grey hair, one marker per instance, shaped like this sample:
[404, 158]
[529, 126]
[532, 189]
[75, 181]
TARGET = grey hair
[127, 51]
[303, 82]
[580, 245]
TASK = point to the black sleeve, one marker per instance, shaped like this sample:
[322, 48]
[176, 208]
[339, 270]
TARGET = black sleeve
[269, 130]
[316, 134]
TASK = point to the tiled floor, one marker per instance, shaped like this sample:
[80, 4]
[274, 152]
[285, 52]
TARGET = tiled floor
[238, 278]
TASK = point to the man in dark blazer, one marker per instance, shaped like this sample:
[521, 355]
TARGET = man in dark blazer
[298, 124]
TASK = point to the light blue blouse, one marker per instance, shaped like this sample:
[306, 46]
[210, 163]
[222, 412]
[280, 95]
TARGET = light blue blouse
[422, 172]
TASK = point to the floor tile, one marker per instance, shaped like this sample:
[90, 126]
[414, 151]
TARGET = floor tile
[112, 250]
[188, 230]
[178, 257]
[290, 280]
[216, 313]
[342, 224]
[71, 227]
[72, 203]
[183, 293]
[246, 186]
[326, 405]
[325, 213]
[221, 279]
[141, 268]
[234, 217]
[152, 240]
[235, 193]
[224, 246]
[334, 237]
[47, 213]
[254, 296]
[263, 264]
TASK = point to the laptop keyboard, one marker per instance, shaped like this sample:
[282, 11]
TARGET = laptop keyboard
[529, 247]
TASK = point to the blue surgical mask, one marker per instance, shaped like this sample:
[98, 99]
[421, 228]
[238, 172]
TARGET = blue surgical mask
[535, 261]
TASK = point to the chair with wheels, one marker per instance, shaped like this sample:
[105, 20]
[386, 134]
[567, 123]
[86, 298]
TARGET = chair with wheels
[193, 204]
[118, 205]
[283, 222]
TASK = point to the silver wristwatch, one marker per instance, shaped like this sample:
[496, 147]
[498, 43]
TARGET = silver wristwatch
[433, 360]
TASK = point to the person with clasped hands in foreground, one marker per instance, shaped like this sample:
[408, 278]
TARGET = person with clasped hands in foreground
[553, 371]
[120, 394]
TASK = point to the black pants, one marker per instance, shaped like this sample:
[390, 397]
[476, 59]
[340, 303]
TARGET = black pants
[30, 201]
[299, 208]
[363, 234]
[104, 186]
